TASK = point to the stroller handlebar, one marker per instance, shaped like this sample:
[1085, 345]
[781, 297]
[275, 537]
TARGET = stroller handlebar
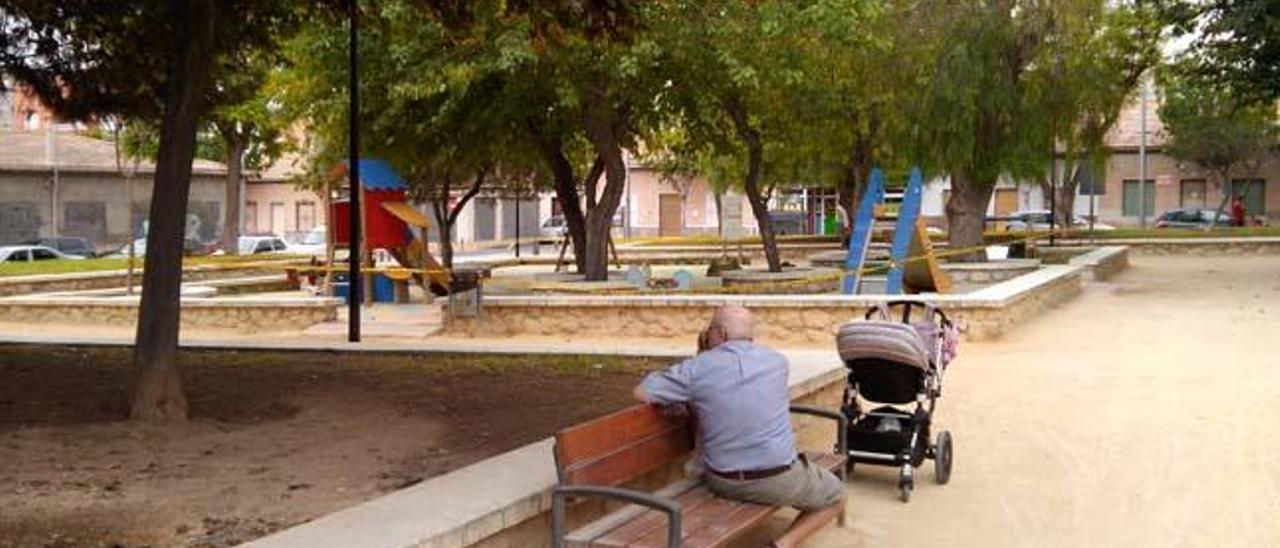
[907, 306]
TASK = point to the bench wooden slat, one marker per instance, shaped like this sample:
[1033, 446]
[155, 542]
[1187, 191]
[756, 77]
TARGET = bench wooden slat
[582, 536]
[626, 445]
[652, 521]
[708, 521]
[712, 524]
[727, 525]
[621, 446]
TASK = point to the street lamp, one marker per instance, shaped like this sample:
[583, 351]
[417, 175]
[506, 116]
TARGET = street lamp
[354, 257]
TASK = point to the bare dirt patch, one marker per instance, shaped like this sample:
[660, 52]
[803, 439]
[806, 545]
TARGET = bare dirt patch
[274, 440]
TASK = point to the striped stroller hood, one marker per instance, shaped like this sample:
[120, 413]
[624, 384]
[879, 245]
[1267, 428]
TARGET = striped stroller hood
[882, 340]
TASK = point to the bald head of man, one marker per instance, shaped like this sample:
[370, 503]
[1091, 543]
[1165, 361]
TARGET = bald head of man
[730, 323]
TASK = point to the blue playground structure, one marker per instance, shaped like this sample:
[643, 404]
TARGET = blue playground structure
[912, 266]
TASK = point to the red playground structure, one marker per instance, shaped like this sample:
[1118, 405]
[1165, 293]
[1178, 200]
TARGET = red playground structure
[388, 221]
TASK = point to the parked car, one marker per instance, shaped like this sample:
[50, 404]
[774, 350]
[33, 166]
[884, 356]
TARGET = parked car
[80, 247]
[1038, 219]
[1191, 218]
[553, 229]
[254, 245]
[27, 253]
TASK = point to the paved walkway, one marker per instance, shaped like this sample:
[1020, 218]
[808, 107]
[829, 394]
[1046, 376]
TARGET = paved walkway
[1145, 413]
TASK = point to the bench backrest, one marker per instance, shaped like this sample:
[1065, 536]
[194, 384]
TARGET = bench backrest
[621, 446]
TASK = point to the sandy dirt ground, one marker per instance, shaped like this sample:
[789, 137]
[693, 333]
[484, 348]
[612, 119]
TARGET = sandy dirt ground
[275, 439]
[1144, 413]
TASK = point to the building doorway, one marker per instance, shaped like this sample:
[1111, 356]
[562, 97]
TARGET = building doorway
[277, 219]
[670, 215]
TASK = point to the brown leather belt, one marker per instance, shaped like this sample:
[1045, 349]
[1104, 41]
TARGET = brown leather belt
[751, 475]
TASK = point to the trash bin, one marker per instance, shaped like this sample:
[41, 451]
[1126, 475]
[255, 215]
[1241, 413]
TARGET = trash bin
[384, 290]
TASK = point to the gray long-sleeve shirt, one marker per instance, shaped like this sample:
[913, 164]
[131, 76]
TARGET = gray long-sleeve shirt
[739, 392]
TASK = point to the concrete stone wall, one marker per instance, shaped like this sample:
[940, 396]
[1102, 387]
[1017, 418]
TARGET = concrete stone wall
[990, 272]
[26, 285]
[786, 320]
[1229, 247]
[235, 315]
[1104, 262]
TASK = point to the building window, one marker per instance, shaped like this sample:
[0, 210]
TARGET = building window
[1193, 194]
[1087, 184]
[1254, 192]
[250, 217]
[306, 216]
[1130, 198]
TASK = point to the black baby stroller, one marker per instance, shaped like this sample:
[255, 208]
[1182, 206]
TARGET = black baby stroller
[894, 363]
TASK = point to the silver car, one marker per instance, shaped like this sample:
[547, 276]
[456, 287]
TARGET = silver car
[31, 253]
[1038, 220]
[553, 229]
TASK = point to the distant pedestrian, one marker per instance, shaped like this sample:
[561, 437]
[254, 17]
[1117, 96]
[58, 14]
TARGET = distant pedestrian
[1237, 211]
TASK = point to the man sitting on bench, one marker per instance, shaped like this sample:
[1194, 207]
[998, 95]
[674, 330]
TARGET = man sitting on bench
[738, 391]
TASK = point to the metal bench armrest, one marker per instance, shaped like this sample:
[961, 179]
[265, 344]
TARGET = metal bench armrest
[668, 506]
[842, 429]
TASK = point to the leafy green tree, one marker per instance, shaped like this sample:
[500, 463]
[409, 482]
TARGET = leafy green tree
[744, 74]
[982, 115]
[245, 133]
[1098, 57]
[1209, 124]
[1234, 42]
[871, 61]
[575, 81]
[145, 60]
[434, 126]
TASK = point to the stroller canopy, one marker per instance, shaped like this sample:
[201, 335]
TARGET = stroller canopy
[882, 340]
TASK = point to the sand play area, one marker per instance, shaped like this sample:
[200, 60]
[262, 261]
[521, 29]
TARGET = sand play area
[1144, 413]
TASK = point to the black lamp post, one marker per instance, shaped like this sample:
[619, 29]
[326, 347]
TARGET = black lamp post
[354, 257]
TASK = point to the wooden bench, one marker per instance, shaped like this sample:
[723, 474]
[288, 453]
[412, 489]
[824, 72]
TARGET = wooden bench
[594, 458]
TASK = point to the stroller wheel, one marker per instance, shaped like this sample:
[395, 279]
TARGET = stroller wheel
[942, 458]
[906, 484]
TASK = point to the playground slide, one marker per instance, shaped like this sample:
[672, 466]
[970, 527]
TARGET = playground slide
[415, 255]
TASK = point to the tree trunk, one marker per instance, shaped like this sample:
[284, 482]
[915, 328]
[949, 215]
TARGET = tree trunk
[566, 187]
[755, 159]
[445, 228]
[235, 170]
[591, 184]
[603, 126]
[159, 394]
[451, 219]
[1222, 204]
[719, 199]
[966, 215]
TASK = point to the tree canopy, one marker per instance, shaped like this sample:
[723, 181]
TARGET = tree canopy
[1233, 42]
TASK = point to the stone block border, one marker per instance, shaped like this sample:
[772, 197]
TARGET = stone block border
[1207, 246]
[1103, 263]
[47, 283]
[242, 315]
[781, 319]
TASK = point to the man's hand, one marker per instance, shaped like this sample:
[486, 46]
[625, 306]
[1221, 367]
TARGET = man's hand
[675, 410]
[639, 394]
